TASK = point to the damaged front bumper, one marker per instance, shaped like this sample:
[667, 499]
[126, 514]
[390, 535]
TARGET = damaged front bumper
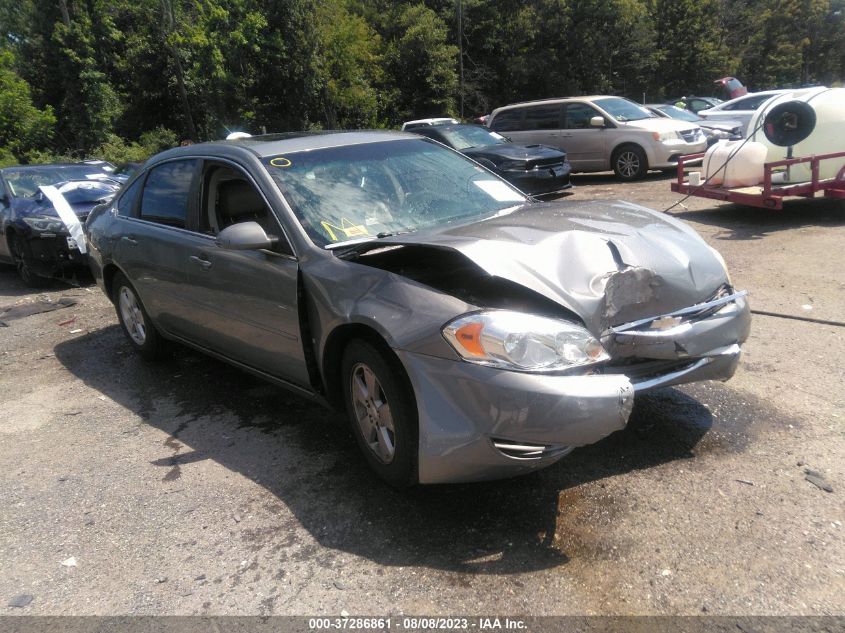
[52, 254]
[541, 179]
[700, 342]
[478, 422]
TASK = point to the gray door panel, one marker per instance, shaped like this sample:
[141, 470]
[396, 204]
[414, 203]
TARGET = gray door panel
[153, 257]
[244, 305]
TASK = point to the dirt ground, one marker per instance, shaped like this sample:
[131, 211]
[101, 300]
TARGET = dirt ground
[188, 487]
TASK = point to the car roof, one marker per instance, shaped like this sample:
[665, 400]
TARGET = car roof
[274, 144]
[750, 96]
[429, 122]
[43, 165]
[557, 99]
[450, 126]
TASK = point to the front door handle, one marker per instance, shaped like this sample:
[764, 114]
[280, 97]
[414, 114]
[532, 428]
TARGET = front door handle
[130, 240]
[202, 262]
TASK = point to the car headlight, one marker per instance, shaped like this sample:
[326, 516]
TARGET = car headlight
[522, 342]
[665, 136]
[45, 223]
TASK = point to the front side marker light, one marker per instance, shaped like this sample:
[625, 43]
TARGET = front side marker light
[469, 338]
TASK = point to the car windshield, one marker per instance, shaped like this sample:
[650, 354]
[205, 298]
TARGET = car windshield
[678, 113]
[369, 190]
[24, 182]
[468, 136]
[623, 110]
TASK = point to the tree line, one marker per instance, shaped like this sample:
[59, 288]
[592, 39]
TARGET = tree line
[121, 79]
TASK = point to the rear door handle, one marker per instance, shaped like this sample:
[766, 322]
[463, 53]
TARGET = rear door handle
[130, 240]
[201, 261]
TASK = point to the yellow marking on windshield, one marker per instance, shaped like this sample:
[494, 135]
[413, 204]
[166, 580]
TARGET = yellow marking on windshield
[280, 161]
[348, 228]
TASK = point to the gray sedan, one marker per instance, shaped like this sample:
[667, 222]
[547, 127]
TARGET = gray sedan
[468, 332]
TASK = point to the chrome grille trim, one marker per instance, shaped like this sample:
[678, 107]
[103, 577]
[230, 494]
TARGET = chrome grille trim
[692, 311]
[527, 450]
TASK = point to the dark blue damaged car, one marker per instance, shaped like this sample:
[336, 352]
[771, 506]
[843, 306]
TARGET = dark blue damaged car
[33, 236]
[534, 169]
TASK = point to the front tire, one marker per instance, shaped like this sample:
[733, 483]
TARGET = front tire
[630, 163]
[382, 412]
[134, 319]
[23, 264]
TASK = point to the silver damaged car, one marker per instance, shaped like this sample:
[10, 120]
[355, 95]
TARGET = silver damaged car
[469, 332]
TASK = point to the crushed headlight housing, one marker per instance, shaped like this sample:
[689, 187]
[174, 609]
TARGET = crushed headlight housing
[522, 342]
[46, 223]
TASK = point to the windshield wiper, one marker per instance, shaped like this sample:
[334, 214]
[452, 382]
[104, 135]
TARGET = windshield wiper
[384, 234]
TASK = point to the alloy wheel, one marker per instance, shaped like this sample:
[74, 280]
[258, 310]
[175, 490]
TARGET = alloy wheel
[372, 412]
[133, 318]
[628, 164]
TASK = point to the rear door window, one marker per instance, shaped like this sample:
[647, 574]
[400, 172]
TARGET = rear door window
[545, 117]
[167, 193]
[507, 121]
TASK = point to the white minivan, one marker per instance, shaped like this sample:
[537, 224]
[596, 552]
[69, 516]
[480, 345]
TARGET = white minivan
[599, 133]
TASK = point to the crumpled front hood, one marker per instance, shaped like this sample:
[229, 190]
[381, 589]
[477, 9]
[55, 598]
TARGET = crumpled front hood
[608, 262]
[82, 196]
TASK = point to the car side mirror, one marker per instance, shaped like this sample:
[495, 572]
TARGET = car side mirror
[597, 121]
[244, 236]
[4, 199]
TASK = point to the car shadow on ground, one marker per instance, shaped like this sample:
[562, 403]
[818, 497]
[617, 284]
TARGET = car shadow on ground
[306, 458]
[609, 178]
[13, 285]
[751, 223]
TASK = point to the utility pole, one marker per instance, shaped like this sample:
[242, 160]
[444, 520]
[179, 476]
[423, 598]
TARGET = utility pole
[461, 54]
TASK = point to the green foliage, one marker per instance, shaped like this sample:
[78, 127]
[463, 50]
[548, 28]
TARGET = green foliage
[123, 78]
[420, 63]
[692, 54]
[7, 158]
[348, 67]
[116, 150]
[23, 127]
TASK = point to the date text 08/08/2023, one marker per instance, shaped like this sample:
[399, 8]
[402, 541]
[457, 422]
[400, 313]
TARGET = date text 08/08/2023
[416, 623]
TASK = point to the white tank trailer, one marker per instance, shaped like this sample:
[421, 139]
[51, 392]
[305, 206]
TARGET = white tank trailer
[745, 167]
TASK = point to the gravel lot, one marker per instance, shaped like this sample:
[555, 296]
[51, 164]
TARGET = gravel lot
[187, 487]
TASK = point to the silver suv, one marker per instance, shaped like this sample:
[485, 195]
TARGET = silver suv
[601, 132]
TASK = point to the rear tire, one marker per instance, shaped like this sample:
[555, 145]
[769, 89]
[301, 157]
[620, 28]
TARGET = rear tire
[382, 412]
[630, 163]
[134, 319]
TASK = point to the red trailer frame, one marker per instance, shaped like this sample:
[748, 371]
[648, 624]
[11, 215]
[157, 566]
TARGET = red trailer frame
[767, 196]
